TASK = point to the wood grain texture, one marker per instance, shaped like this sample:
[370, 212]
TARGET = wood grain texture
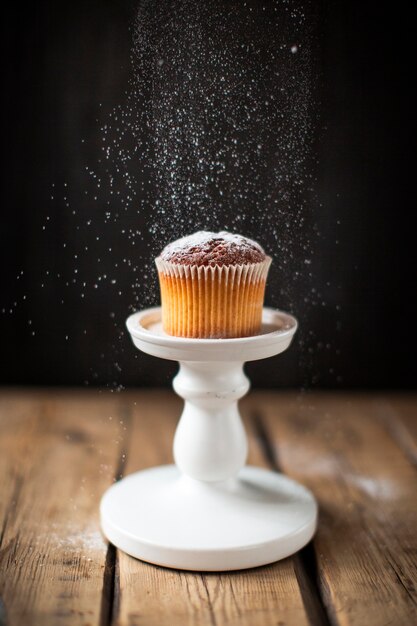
[398, 414]
[366, 546]
[59, 451]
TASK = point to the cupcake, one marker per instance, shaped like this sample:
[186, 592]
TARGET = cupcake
[212, 285]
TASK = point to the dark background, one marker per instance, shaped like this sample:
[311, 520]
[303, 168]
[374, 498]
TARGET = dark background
[65, 66]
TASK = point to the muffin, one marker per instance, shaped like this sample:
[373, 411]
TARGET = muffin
[212, 285]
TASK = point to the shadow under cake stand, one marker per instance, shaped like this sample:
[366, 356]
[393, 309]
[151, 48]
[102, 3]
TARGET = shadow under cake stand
[209, 512]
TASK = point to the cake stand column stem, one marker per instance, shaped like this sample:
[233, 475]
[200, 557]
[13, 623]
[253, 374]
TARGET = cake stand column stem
[210, 442]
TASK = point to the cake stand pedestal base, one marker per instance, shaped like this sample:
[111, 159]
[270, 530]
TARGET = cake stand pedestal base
[166, 518]
[209, 512]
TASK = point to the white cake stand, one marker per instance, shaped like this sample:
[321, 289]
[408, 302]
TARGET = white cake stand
[209, 512]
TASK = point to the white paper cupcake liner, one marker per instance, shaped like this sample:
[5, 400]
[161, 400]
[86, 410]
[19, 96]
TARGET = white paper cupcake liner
[212, 301]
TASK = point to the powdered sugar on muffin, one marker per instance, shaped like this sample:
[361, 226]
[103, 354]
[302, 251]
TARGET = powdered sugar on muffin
[206, 248]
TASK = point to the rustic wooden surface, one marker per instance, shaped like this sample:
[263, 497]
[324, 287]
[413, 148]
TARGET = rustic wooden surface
[59, 450]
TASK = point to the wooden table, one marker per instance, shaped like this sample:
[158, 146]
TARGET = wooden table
[59, 450]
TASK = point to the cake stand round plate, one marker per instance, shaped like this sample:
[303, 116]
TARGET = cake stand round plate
[163, 517]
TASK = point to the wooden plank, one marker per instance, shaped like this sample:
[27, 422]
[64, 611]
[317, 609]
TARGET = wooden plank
[16, 429]
[157, 596]
[62, 451]
[59, 452]
[398, 413]
[366, 543]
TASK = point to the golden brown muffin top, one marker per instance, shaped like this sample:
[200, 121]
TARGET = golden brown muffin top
[207, 248]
